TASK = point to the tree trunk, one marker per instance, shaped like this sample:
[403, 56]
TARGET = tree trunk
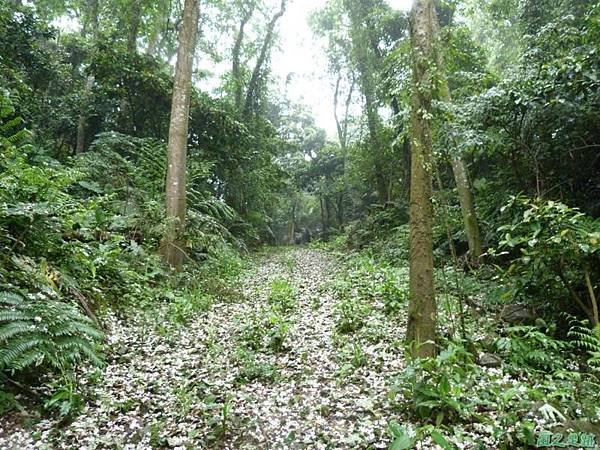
[172, 245]
[253, 84]
[340, 211]
[238, 84]
[134, 25]
[328, 213]
[422, 309]
[459, 168]
[82, 119]
[93, 7]
[292, 225]
[467, 206]
[323, 220]
[365, 63]
[153, 43]
[461, 177]
[342, 130]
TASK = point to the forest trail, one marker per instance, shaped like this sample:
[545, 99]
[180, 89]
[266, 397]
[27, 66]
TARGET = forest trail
[200, 386]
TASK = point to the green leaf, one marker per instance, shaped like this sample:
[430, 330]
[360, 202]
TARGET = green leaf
[401, 443]
[441, 440]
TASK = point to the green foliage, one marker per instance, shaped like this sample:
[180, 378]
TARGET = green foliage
[435, 387]
[529, 349]
[352, 357]
[378, 224]
[266, 328]
[188, 305]
[588, 340]
[137, 169]
[351, 314]
[8, 402]
[553, 248]
[65, 400]
[39, 332]
[253, 369]
[283, 295]
[401, 439]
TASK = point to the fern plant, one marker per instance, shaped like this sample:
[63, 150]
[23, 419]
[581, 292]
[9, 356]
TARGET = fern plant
[45, 333]
[11, 130]
[589, 340]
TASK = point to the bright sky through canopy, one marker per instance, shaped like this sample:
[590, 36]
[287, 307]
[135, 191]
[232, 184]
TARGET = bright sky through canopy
[301, 56]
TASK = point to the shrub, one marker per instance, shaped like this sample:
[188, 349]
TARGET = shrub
[434, 388]
[529, 348]
[554, 250]
[351, 314]
[252, 369]
[282, 296]
[588, 340]
[183, 308]
[267, 328]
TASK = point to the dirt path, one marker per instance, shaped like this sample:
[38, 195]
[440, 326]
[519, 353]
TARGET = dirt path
[199, 386]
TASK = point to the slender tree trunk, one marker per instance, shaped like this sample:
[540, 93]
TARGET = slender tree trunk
[467, 206]
[153, 43]
[82, 119]
[365, 62]
[253, 84]
[328, 213]
[422, 309]
[342, 130]
[340, 211]
[172, 245]
[238, 83]
[134, 25]
[461, 177]
[292, 225]
[93, 7]
[323, 220]
[459, 167]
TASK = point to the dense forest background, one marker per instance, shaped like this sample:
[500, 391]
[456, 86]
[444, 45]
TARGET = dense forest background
[471, 132]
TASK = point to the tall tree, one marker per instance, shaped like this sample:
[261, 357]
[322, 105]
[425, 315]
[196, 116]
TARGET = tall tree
[172, 245]
[236, 71]
[362, 48]
[422, 309]
[342, 131]
[90, 21]
[459, 167]
[254, 83]
[135, 16]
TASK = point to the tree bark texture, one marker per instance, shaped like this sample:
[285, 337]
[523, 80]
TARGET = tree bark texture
[134, 25]
[422, 309]
[172, 245]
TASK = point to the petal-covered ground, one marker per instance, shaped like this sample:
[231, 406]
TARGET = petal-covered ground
[239, 376]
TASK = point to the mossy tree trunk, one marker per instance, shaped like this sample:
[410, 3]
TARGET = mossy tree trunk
[422, 310]
[172, 244]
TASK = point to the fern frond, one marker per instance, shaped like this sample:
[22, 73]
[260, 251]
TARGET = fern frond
[53, 333]
[13, 329]
[10, 298]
